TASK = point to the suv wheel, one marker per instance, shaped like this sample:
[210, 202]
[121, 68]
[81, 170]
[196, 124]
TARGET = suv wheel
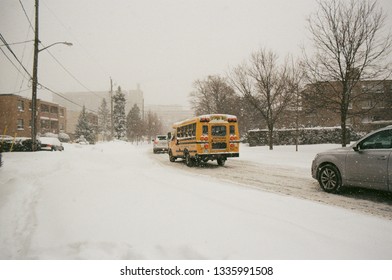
[329, 178]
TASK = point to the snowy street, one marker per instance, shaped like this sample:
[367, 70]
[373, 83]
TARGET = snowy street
[120, 201]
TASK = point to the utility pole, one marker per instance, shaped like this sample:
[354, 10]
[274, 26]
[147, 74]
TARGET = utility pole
[34, 83]
[111, 108]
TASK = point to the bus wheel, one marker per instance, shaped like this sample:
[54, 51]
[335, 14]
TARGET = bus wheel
[188, 160]
[221, 161]
[171, 158]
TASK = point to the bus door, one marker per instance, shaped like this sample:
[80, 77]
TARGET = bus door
[219, 133]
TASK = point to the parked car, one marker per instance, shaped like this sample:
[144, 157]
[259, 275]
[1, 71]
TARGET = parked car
[26, 145]
[367, 163]
[51, 144]
[160, 144]
[17, 144]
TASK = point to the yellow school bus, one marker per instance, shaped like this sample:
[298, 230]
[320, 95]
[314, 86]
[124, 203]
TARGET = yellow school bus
[204, 138]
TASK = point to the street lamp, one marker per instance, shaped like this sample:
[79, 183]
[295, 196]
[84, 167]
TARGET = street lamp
[34, 87]
[65, 43]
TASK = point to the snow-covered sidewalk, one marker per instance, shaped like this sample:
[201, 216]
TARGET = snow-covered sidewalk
[113, 201]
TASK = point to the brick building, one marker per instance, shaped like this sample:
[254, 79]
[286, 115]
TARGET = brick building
[15, 116]
[370, 107]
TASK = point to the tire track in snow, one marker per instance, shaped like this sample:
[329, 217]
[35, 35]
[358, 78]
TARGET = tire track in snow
[290, 181]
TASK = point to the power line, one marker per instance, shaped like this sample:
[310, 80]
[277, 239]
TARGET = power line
[19, 91]
[70, 74]
[17, 43]
[9, 59]
[17, 59]
[14, 55]
[28, 19]
[65, 69]
[65, 98]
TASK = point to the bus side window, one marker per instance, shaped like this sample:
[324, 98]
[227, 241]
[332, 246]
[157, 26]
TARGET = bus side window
[205, 129]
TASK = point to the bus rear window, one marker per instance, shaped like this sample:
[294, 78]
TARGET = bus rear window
[232, 129]
[218, 130]
[205, 129]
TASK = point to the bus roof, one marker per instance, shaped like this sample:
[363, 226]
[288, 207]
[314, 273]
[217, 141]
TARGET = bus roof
[223, 117]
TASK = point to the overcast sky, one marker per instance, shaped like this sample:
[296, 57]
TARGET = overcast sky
[163, 45]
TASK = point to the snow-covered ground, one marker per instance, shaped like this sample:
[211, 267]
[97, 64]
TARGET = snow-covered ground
[118, 201]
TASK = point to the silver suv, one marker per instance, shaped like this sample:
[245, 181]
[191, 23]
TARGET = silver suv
[160, 144]
[367, 163]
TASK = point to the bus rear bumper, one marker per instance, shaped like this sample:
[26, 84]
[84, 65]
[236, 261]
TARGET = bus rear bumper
[215, 156]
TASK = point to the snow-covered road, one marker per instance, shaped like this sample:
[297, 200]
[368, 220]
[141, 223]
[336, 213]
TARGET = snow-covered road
[117, 201]
[287, 172]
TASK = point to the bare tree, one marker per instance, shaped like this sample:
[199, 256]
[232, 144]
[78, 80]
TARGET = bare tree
[213, 95]
[350, 46]
[296, 87]
[153, 125]
[265, 84]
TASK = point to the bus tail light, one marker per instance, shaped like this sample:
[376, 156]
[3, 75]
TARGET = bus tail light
[206, 146]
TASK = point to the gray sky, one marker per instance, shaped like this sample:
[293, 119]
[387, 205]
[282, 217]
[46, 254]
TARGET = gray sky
[163, 45]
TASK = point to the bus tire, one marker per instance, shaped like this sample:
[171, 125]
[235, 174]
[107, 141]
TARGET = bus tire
[221, 161]
[171, 158]
[188, 160]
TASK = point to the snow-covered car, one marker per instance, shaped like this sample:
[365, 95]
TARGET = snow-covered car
[51, 144]
[367, 163]
[160, 144]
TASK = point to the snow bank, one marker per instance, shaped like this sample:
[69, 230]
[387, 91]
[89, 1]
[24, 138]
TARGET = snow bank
[113, 201]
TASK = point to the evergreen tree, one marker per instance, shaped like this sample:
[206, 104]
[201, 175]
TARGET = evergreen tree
[84, 127]
[104, 123]
[134, 124]
[119, 118]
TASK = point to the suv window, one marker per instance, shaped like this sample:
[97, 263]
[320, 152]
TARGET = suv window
[161, 137]
[380, 140]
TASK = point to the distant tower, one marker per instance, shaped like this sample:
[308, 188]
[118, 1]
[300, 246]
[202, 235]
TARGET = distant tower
[136, 97]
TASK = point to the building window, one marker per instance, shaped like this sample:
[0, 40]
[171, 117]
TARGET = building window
[54, 110]
[20, 124]
[367, 104]
[54, 126]
[44, 108]
[61, 112]
[20, 105]
[381, 104]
